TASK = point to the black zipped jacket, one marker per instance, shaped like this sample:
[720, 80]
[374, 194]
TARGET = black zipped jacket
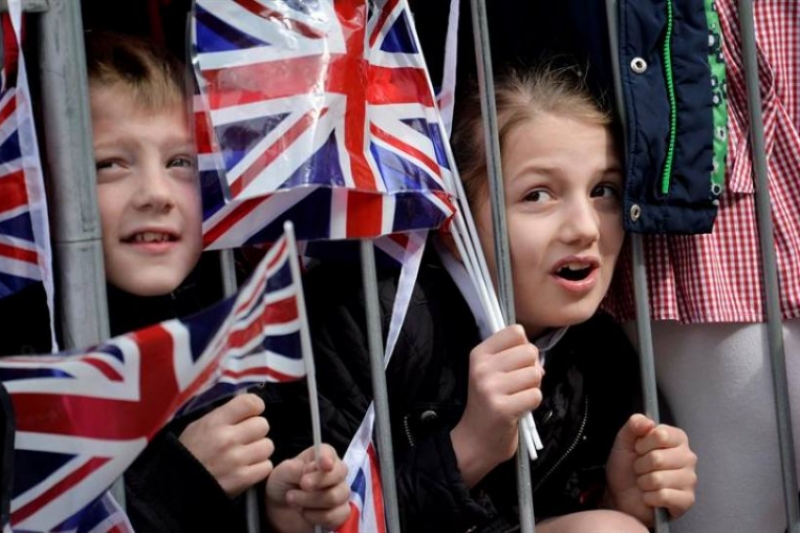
[590, 389]
[167, 490]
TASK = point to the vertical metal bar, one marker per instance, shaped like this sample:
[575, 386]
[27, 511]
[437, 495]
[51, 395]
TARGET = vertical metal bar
[612, 9]
[380, 395]
[502, 257]
[769, 266]
[643, 330]
[229, 288]
[28, 6]
[228, 271]
[493, 158]
[646, 362]
[70, 164]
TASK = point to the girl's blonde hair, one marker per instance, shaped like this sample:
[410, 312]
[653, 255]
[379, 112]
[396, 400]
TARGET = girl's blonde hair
[520, 97]
[154, 78]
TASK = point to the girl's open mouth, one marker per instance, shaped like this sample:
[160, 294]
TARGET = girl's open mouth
[574, 273]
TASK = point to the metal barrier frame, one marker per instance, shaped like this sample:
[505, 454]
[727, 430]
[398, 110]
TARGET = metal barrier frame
[78, 246]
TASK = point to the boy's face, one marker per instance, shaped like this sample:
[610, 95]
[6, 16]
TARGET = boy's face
[147, 193]
[563, 182]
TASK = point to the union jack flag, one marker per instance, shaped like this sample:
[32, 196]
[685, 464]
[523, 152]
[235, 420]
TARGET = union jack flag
[25, 256]
[83, 418]
[366, 495]
[317, 112]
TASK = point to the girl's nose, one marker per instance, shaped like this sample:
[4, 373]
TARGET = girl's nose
[581, 222]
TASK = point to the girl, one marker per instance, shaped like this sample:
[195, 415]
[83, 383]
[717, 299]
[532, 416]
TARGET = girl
[456, 401]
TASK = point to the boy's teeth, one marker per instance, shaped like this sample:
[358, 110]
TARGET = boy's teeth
[149, 236]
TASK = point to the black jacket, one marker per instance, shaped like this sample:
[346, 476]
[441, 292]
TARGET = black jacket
[575, 31]
[590, 389]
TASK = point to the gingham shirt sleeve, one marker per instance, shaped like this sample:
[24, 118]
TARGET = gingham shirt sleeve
[717, 277]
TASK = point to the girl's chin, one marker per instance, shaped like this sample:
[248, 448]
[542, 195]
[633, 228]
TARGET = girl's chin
[558, 318]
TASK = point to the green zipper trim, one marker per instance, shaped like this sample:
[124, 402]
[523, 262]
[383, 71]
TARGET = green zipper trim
[673, 105]
[719, 100]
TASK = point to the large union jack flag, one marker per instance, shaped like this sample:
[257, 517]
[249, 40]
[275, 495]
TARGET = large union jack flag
[83, 418]
[318, 112]
[24, 235]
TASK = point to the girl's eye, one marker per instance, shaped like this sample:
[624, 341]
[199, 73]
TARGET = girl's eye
[606, 190]
[538, 196]
[105, 165]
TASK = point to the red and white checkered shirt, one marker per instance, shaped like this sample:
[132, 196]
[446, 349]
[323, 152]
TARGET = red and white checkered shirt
[718, 277]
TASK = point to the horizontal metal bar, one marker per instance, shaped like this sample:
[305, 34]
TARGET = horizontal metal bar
[29, 6]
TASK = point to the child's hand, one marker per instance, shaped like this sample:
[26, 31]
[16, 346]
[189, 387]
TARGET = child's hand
[504, 378]
[651, 466]
[231, 443]
[302, 492]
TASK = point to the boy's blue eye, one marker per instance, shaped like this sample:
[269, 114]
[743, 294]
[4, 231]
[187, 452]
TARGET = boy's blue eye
[102, 165]
[185, 162]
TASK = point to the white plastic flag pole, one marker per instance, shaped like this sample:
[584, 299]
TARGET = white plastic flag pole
[305, 344]
[305, 340]
[528, 430]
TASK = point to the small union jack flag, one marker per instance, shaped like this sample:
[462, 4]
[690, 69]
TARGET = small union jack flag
[81, 419]
[317, 112]
[25, 256]
[366, 495]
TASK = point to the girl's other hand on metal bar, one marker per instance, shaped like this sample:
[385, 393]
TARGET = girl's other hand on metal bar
[651, 466]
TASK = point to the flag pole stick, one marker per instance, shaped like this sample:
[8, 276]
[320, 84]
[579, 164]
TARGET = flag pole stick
[305, 344]
[305, 339]
[769, 268]
[463, 219]
[502, 257]
[528, 430]
[380, 394]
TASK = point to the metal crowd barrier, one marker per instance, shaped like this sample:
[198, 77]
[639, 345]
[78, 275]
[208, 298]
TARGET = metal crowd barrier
[769, 267]
[643, 330]
[505, 280]
[77, 240]
[69, 164]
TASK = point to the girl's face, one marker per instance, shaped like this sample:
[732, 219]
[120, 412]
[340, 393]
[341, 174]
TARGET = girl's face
[563, 182]
[147, 193]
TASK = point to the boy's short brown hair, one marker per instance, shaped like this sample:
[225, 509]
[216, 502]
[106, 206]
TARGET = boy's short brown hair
[155, 79]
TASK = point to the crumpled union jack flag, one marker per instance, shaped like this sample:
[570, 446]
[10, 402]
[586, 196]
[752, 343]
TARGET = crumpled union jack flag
[363, 476]
[24, 235]
[320, 112]
[82, 419]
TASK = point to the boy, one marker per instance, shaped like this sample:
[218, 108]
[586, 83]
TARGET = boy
[189, 478]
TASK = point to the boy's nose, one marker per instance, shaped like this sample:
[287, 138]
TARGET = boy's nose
[154, 189]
